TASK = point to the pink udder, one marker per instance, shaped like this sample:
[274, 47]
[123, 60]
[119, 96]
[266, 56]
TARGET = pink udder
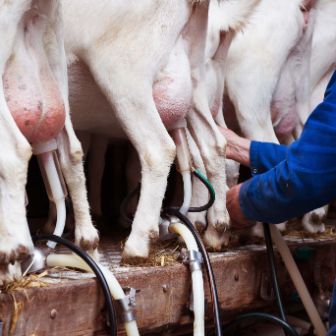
[286, 126]
[39, 113]
[31, 91]
[171, 105]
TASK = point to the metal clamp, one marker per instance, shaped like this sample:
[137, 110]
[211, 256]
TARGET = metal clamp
[193, 258]
[126, 306]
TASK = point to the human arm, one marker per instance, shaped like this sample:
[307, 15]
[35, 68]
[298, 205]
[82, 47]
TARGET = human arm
[260, 156]
[238, 219]
[305, 180]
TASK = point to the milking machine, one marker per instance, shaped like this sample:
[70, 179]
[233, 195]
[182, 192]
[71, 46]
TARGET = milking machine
[47, 158]
[56, 190]
[194, 259]
[282, 320]
[212, 283]
[298, 281]
[80, 260]
[51, 172]
[270, 232]
[172, 219]
[110, 286]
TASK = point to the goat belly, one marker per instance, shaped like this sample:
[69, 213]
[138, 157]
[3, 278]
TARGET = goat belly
[33, 97]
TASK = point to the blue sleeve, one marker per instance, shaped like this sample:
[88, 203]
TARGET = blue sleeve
[265, 155]
[332, 331]
[306, 178]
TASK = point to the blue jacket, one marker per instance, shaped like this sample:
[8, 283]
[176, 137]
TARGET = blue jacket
[291, 180]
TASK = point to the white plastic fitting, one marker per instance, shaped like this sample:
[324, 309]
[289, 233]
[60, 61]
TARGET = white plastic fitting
[196, 278]
[184, 165]
[72, 260]
[187, 191]
[53, 179]
[182, 149]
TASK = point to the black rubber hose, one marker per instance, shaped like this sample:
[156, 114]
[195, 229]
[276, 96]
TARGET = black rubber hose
[282, 321]
[211, 190]
[262, 316]
[212, 282]
[112, 315]
[271, 261]
[197, 173]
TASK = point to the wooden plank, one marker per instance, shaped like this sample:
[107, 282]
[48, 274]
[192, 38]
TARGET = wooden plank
[76, 307]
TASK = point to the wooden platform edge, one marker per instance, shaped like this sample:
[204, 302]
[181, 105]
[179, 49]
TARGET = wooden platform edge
[76, 307]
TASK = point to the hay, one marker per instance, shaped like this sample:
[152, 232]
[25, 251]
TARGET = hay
[328, 233]
[17, 309]
[162, 254]
[294, 230]
[30, 281]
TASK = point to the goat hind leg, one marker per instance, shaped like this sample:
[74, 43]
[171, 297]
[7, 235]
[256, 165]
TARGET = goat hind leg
[71, 156]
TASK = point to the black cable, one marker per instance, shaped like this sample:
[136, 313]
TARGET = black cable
[214, 295]
[212, 195]
[271, 261]
[282, 321]
[212, 282]
[123, 206]
[197, 173]
[263, 316]
[112, 315]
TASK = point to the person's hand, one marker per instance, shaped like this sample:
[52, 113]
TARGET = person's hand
[238, 148]
[238, 220]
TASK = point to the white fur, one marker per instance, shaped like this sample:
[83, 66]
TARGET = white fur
[288, 85]
[291, 97]
[15, 240]
[255, 59]
[308, 69]
[224, 19]
[125, 66]
[69, 148]
[267, 63]
[319, 90]
[109, 60]
[322, 66]
[323, 58]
